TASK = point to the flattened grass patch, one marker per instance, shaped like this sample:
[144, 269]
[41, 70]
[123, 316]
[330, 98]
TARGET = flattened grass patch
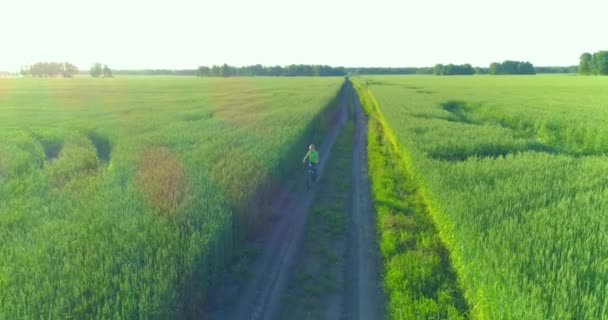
[161, 179]
[77, 157]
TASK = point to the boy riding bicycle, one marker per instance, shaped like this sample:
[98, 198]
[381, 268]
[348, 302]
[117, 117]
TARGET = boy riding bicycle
[313, 160]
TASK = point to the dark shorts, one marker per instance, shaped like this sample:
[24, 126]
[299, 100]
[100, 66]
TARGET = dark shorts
[312, 166]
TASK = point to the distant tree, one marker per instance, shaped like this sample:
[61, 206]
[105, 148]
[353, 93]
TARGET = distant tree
[467, 69]
[225, 70]
[596, 64]
[69, 70]
[40, 69]
[424, 70]
[258, 70]
[107, 72]
[585, 65]
[339, 71]
[568, 69]
[35, 70]
[216, 71]
[493, 69]
[203, 71]
[385, 70]
[245, 71]
[49, 69]
[438, 70]
[294, 70]
[600, 62]
[479, 70]
[54, 69]
[157, 72]
[452, 69]
[447, 69]
[524, 68]
[512, 67]
[228, 71]
[25, 71]
[276, 71]
[96, 70]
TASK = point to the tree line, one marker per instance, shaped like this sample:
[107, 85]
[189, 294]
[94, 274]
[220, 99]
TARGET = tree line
[512, 67]
[452, 69]
[568, 69]
[589, 64]
[507, 67]
[381, 70]
[294, 70]
[49, 70]
[496, 68]
[594, 64]
[156, 72]
[63, 69]
[98, 70]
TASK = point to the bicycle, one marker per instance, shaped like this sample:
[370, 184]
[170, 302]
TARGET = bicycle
[312, 175]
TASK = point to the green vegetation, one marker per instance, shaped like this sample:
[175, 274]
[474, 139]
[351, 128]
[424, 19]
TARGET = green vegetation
[513, 171]
[594, 64]
[568, 69]
[125, 198]
[294, 70]
[511, 67]
[380, 70]
[98, 70]
[417, 277]
[50, 69]
[451, 69]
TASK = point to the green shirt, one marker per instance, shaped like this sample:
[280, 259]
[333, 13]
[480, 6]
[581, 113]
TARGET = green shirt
[313, 156]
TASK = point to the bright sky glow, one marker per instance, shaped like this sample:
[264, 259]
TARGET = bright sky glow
[176, 34]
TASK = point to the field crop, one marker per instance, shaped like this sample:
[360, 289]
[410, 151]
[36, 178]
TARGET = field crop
[513, 171]
[125, 197]
[418, 279]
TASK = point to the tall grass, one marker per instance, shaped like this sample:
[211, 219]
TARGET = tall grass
[418, 279]
[125, 197]
[513, 170]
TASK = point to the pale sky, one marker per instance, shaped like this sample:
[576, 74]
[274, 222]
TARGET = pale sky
[183, 34]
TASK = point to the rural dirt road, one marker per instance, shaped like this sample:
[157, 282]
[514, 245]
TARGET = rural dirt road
[262, 294]
[363, 279]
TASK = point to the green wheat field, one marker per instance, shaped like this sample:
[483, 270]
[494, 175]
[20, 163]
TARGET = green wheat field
[125, 197]
[513, 171]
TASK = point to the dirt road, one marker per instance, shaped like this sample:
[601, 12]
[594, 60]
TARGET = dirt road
[336, 272]
[262, 295]
[366, 297]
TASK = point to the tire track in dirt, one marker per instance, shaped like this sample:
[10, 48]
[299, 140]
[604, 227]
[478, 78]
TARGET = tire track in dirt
[365, 296]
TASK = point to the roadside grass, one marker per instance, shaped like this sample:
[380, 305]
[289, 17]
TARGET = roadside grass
[512, 170]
